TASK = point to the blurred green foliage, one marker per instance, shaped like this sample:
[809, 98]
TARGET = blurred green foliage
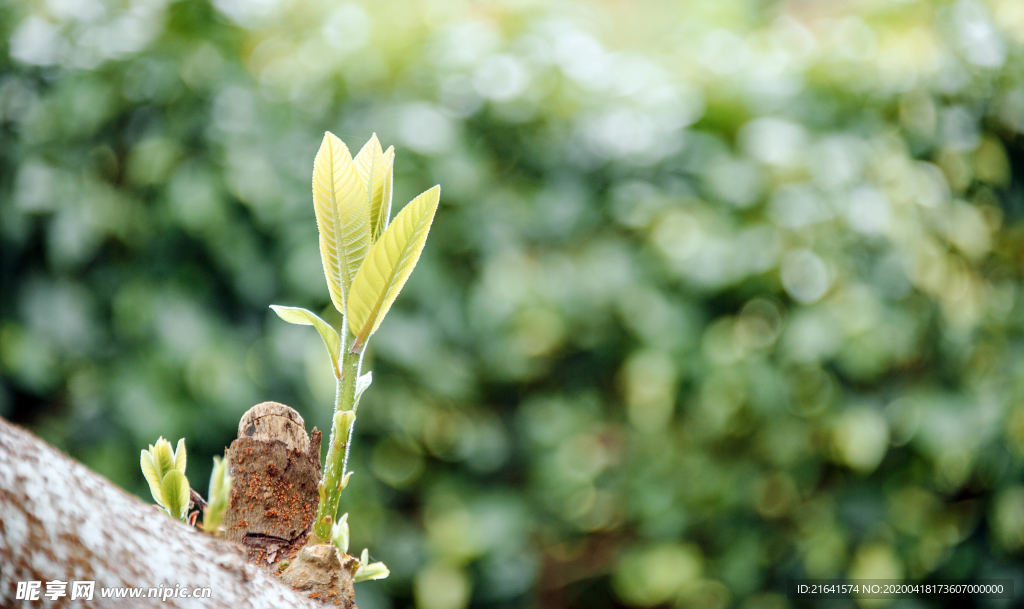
[719, 293]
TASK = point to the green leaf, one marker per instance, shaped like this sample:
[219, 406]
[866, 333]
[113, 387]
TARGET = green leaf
[342, 215]
[302, 317]
[179, 456]
[376, 167]
[150, 472]
[175, 492]
[388, 266]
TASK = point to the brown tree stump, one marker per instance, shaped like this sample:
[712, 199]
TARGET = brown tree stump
[276, 470]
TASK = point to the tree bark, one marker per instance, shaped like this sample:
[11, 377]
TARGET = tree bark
[60, 521]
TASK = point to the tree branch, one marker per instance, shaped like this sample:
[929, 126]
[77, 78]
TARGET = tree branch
[60, 521]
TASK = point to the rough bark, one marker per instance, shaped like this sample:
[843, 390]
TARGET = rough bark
[60, 521]
[276, 469]
[322, 572]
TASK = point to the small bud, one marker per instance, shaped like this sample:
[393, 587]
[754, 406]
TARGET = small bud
[343, 424]
[170, 492]
[339, 534]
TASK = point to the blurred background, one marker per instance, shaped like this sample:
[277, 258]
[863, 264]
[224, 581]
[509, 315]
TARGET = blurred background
[719, 293]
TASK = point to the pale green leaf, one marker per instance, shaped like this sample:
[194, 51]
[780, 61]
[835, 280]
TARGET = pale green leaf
[219, 479]
[371, 571]
[362, 383]
[163, 457]
[152, 477]
[175, 492]
[302, 317]
[340, 534]
[342, 215]
[179, 456]
[388, 266]
[384, 214]
[219, 497]
[375, 167]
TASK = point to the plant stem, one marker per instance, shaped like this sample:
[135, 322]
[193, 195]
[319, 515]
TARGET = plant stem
[337, 450]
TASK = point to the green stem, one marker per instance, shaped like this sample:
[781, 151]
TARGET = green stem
[337, 450]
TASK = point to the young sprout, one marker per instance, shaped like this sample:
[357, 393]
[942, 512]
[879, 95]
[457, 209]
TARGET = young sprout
[365, 571]
[367, 260]
[164, 470]
[368, 570]
[339, 534]
[220, 493]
